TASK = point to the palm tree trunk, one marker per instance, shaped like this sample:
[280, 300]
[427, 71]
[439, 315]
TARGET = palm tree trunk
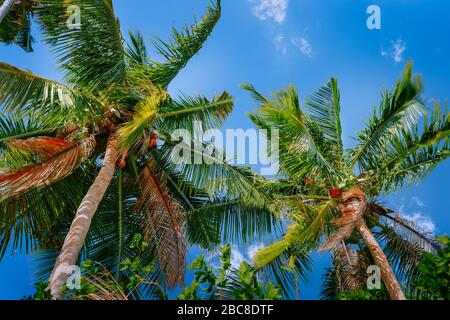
[5, 7]
[387, 274]
[80, 225]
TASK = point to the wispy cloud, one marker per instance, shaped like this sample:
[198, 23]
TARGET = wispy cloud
[253, 249]
[279, 43]
[396, 51]
[418, 202]
[303, 45]
[413, 213]
[275, 10]
[423, 222]
[236, 258]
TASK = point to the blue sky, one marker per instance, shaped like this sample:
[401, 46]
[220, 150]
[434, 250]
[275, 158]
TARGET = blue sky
[273, 43]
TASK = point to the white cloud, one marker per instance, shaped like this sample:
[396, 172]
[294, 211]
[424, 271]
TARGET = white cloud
[418, 202]
[253, 249]
[420, 219]
[279, 43]
[236, 258]
[399, 49]
[423, 222]
[396, 51]
[275, 10]
[303, 45]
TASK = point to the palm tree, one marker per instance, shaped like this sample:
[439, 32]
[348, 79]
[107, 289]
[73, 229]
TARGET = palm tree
[331, 192]
[15, 23]
[5, 8]
[115, 108]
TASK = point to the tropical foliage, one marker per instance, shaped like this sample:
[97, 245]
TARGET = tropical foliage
[227, 283]
[331, 196]
[89, 169]
[433, 282]
[16, 27]
[104, 139]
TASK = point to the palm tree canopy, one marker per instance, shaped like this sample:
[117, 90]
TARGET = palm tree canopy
[401, 144]
[52, 133]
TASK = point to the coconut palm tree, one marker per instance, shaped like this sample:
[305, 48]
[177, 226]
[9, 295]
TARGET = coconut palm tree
[108, 132]
[5, 8]
[15, 23]
[333, 193]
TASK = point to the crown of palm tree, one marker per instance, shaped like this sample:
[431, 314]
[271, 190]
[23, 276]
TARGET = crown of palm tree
[395, 149]
[115, 105]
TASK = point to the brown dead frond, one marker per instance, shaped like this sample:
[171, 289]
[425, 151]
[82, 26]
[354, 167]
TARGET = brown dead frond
[164, 223]
[59, 159]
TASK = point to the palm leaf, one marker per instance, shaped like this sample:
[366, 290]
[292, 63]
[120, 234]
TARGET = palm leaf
[324, 109]
[136, 50]
[399, 110]
[54, 167]
[184, 113]
[301, 149]
[93, 55]
[183, 46]
[26, 93]
[164, 223]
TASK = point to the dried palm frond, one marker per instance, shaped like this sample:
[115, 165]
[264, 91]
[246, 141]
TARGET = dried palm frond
[59, 160]
[67, 132]
[408, 229]
[350, 269]
[42, 147]
[164, 222]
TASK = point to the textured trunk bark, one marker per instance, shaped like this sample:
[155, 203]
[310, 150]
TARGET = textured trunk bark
[352, 208]
[80, 226]
[387, 274]
[5, 7]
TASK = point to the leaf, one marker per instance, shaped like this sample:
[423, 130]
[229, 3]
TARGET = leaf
[25, 93]
[301, 149]
[184, 113]
[324, 109]
[164, 223]
[93, 55]
[146, 115]
[183, 46]
[137, 51]
[53, 168]
[399, 110]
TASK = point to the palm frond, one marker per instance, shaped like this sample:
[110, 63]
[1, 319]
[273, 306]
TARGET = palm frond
[146, 115]
[136, 50]
[212, 174]
[301, 149]
[184, 113]
[59, 163]
[164, 224]
[26, 93]
[16, 27]
[310, 223]
[324, 109]
[28, 222]
[13, 127]
[399, 110]
[216, 221]
[411, 155]
[92, 54]
[407, 229]
[403, 255]
[183, 46]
